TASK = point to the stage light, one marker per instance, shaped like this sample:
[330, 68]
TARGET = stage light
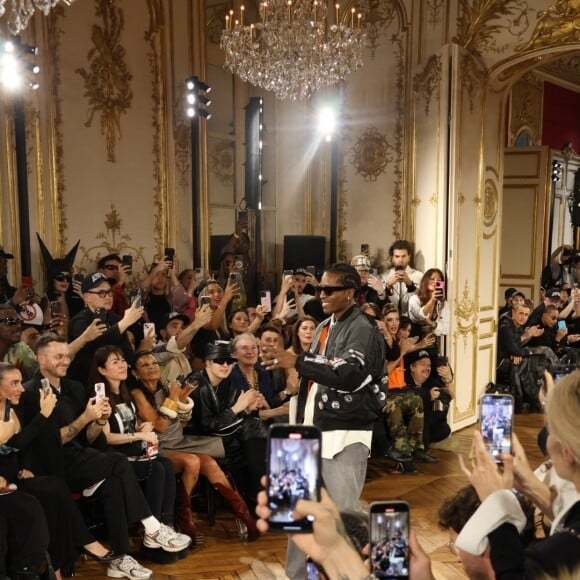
[327, 122]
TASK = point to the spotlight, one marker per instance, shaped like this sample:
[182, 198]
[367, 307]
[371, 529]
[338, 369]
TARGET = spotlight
[556, 171]
[195, 99]
[327, 122]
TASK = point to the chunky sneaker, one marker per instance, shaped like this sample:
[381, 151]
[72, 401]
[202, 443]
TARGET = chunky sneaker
[127, 567]
[167, 539]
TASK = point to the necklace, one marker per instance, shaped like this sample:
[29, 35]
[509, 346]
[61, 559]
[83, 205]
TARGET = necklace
[253, 381]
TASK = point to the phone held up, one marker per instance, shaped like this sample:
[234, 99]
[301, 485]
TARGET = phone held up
[496, 424]
[204, 300]
[100, 391]
[389, 539]
[294, 473]
[169, 254]
[101, 314]
[266, 300]
[127, 260]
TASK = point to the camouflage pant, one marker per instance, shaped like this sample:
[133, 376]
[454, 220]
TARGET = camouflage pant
[405, 407]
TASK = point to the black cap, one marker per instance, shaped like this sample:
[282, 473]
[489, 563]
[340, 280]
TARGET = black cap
[417, 355]
[175, 316]
[92, 281]
[553, 293]
[219, 349]
[518, 293]
[509, 292]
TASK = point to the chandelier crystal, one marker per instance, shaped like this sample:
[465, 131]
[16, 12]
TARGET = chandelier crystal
[21, 11]
[292, 51]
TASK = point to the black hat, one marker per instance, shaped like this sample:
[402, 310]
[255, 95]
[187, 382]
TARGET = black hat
[509, 292]
[175, 316]
[219, 349]
[518, 293]
[553, 294]
[92, 281]
[55, 265]
[5, 255]
[417, 356]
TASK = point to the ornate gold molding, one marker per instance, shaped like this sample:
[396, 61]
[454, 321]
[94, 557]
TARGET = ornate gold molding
[433, 11]
[465, 315]
[569, 153]
[490, 203]
[557, 25]
[155, 40]
[377, 17]
[472, 78]
[107, 80]
[526, 107]
[216, 15]
[223, 162]
[371, 154]
[434, 199]
[427, 83]
[54, 34]
[399, 146]
[481, 21]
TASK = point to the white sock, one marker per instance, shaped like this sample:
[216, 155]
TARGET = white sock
[151, 525]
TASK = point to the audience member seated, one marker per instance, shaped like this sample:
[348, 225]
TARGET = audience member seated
[401, 280]
[249, 375]
[168, 410]
[437, 390]
[372, 287]
[12, 349]
[239, 321]
[221, 410]
[216, 329]
[68, 446]
[270, 337]
[98, 297]
[553, 337]
[552, 297]
[136, 439]
[507, 296]
[499, 518]
[454, 513]
[176, 335]
[561, 269]
[428, 308]
[372, 310]
[117, 273]
[68, 531]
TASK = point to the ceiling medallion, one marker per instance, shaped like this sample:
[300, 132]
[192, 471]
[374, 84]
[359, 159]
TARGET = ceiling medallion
[371, 154]
[293, 51]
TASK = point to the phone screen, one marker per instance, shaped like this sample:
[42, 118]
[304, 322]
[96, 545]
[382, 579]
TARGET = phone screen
[204, 300]
[128, 261]
[102, 314]
[496, 424]
[293, 474]
[266, 300]
[55, 307]
[389, 539]
[100, 391]
[561, 324]
[149, 328]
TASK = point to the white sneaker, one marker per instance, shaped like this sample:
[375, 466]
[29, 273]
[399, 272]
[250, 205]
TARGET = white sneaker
[167, 539]
[127, 567]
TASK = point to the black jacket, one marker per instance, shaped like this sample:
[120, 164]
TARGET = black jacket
[509, 341]
[354, 350]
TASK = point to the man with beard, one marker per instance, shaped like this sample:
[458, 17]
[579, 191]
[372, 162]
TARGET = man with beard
[372, 288]
[346, 355]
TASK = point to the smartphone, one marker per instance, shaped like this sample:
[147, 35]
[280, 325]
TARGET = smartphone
[55, 307]
[169, 254]
[311, 270]
[312, 570]
[294, 472]
[266, 300]
[364, 249]
[496, 424]
[45, 385]
[127, 260]
[78, 277]
[441, 361]
[239, 262]
[100, 391]
[7, 406]
[148, 329]
[198, 273]
[101, 313]
[440, 285]
[138, 298]
[562, 325]
[288, 273]
[389, 539]
[373, 271]
[204, 300]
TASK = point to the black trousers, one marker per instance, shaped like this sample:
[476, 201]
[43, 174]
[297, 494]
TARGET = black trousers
[25, 529]
[254, 451]
[66, 526]
[120, 495]
[157, 479]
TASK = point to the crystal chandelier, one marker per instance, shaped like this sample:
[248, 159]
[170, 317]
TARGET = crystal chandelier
[292, 51]
[20, 11]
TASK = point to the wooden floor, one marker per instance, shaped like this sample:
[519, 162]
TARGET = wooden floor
[224, 557]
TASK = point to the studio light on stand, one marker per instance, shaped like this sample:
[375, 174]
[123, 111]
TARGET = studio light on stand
[196, 108]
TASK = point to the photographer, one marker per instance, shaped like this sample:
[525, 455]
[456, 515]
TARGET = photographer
[562, 268]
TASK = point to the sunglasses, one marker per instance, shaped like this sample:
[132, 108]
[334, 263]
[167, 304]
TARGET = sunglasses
[330, 290]
[60, 277]
[11, 321]
[101, 293]
[223, 361]
[110, 267]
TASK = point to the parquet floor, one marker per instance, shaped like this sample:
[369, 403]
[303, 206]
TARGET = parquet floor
[223, 557]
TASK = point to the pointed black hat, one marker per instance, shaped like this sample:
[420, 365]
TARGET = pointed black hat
[59, 264]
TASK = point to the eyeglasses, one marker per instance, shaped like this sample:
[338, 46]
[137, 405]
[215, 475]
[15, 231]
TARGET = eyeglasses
[11, 321]
[110, 267]
[61, 277]
[101, 293]
[223, 361]
[330, 290]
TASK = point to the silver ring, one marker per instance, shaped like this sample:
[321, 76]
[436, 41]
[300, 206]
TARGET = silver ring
[275, 361]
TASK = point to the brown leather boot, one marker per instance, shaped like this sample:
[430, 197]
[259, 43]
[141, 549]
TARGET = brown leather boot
[240, 509]
[184, 517]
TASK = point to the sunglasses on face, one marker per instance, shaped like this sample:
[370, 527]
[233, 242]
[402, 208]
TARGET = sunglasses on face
[11, 321]
[60, 277]
[329, 290]
[101, 293]
[222, 361]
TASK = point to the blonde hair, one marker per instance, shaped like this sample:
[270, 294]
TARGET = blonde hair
[563, 410]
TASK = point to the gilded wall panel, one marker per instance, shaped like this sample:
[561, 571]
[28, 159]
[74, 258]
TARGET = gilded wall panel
[526, 102]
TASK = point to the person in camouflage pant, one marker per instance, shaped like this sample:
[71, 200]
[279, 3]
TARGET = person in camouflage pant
[401, 404]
